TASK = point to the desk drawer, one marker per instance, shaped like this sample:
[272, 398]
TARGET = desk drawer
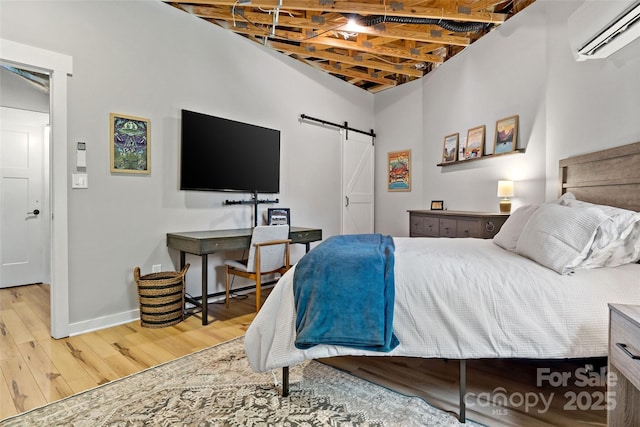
[305, 236]
[625, 332]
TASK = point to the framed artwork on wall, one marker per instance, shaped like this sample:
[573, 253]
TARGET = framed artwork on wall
[278, 216]
[475, 143]
[506, 135]
[129, 144]
[450, 149]
[399, 171]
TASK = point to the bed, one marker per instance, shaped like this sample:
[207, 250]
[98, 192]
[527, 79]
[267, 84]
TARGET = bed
[455, 306]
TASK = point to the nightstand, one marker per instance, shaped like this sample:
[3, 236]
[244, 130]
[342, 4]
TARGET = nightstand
[624, 363]
[434, 223]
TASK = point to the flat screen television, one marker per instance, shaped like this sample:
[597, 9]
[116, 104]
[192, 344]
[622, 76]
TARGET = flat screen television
[219, 154]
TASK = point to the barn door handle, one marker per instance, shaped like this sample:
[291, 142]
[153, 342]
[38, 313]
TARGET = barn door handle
[34, 212]
[346, 201]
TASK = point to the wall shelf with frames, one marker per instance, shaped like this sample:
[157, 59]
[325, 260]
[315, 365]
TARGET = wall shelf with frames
[484, 157]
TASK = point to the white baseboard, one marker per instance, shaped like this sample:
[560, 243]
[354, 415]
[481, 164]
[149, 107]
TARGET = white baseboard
[130, 316]
[103, 322]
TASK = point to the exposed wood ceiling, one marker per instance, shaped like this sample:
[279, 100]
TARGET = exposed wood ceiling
[372, 44]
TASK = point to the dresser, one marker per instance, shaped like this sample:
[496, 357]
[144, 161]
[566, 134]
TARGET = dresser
[624, 364]
[434, 223]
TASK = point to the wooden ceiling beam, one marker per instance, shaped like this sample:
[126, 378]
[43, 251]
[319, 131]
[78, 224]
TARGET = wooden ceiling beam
[345, 71]
[356, 60]
[398, 52]
[461, 14]
[284, 20]
[373, 57]
[394, 31]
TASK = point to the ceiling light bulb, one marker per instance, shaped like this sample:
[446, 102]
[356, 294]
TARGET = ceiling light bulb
[352, 25]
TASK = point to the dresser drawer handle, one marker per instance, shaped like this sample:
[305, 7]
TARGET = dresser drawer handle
[627, 352]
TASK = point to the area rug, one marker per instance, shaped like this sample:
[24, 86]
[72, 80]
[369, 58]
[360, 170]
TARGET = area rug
[216, 387]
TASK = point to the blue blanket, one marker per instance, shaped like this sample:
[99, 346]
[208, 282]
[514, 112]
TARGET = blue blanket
[344, 293]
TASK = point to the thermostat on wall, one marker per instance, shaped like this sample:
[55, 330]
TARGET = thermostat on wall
[81, 155]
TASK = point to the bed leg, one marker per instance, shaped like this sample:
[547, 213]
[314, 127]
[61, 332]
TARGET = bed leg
[285, 381]
[462, 417]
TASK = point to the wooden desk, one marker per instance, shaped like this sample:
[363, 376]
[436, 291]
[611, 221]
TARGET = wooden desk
[208, 242]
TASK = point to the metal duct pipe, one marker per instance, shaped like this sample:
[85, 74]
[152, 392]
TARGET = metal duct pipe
[456, 27]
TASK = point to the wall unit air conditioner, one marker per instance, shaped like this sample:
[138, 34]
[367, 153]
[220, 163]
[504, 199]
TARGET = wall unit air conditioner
[599, 28]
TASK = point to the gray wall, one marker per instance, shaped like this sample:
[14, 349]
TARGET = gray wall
[144, 58]
[524, 67]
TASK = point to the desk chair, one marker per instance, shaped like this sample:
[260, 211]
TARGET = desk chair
[268, 254]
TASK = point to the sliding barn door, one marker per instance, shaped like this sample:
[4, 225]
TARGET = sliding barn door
[357, 183]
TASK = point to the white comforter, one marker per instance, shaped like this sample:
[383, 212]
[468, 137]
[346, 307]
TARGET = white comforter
[467, 299]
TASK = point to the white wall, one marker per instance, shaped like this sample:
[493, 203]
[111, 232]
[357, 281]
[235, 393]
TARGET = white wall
[592, 105]
[145, 58]
[524, 67]
[399, 116]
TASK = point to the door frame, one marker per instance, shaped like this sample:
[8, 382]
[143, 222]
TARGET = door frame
[58, 66]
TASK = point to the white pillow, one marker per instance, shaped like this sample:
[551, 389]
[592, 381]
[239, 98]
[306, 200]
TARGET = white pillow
[564, 199]
[616, 242]
[507, 237]
[559, 237]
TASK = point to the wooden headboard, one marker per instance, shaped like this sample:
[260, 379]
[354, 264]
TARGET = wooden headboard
[607, 177]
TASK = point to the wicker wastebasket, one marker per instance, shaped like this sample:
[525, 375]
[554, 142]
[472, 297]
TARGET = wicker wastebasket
[161, 297]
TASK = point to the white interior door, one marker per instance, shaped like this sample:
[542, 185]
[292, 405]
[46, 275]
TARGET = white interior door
[358, 162]
[21, 191]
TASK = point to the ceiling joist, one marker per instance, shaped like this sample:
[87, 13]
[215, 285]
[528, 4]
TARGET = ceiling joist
[394, 8]
[373, 44]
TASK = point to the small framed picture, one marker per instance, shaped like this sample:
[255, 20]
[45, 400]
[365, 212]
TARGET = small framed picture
[506, 135]
[475, 143]
[437, 205]
[399, 170]
[129, 144]
[278, 216]
[450, 149]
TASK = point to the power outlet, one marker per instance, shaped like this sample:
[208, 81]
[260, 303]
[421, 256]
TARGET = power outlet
[156, 268]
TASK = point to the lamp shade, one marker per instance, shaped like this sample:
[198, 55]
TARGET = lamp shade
[505, 188]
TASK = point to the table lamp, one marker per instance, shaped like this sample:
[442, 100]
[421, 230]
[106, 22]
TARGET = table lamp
[505, 190]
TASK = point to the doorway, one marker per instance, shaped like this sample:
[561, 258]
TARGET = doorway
[58, 67]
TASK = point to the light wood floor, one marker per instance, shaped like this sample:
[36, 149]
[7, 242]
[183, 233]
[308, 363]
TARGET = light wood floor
[36, 369]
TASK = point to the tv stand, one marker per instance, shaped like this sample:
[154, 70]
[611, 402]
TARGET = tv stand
[255, 202]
